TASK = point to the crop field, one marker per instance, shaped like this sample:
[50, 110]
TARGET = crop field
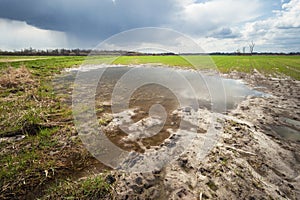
[50, 153]
[288, 65]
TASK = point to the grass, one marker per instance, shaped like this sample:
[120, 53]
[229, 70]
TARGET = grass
[29, 106]
[90, 188]
[166, 60]
[271, 65]
[28, 155]
[24, 167]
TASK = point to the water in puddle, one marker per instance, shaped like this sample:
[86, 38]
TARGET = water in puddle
[287, 133]
[210, 91]
[289, 129]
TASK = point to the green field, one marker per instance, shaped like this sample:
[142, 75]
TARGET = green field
[273, 65]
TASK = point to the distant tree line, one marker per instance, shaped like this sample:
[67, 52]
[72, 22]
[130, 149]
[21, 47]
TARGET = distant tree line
[256, 53]
[86, 52]
[73, 52]
[58, 52]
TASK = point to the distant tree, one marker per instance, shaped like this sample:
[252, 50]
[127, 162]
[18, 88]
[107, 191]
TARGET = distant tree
[251, 47]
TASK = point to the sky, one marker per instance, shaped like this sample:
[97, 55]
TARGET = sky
[215, 25]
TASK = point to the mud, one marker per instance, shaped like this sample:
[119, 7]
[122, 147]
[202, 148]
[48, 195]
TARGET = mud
[250, 160]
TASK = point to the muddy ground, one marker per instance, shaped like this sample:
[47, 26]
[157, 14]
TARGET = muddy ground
[256, 156]
[251, 160]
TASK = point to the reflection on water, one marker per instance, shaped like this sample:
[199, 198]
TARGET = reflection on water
[211, 91]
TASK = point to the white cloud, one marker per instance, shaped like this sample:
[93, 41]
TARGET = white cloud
[289, 16]
[279, 33]
[199, 18]
[18, 34]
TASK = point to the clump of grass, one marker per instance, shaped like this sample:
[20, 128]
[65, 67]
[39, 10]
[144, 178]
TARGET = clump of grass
[27, 104]
[17, 78]
[90, 188]
[19, 113]
[105, 120]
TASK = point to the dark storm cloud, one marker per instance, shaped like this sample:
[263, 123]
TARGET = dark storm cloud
[216, 24]
[90, 19]
[225, 33]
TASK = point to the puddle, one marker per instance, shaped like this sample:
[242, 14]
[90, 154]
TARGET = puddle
[288, 129]
[290, 122]
[287, 133]
[212, 92]
[141, 87]
[146, 108]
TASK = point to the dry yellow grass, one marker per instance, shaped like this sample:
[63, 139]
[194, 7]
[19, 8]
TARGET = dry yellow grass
[16, 77]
